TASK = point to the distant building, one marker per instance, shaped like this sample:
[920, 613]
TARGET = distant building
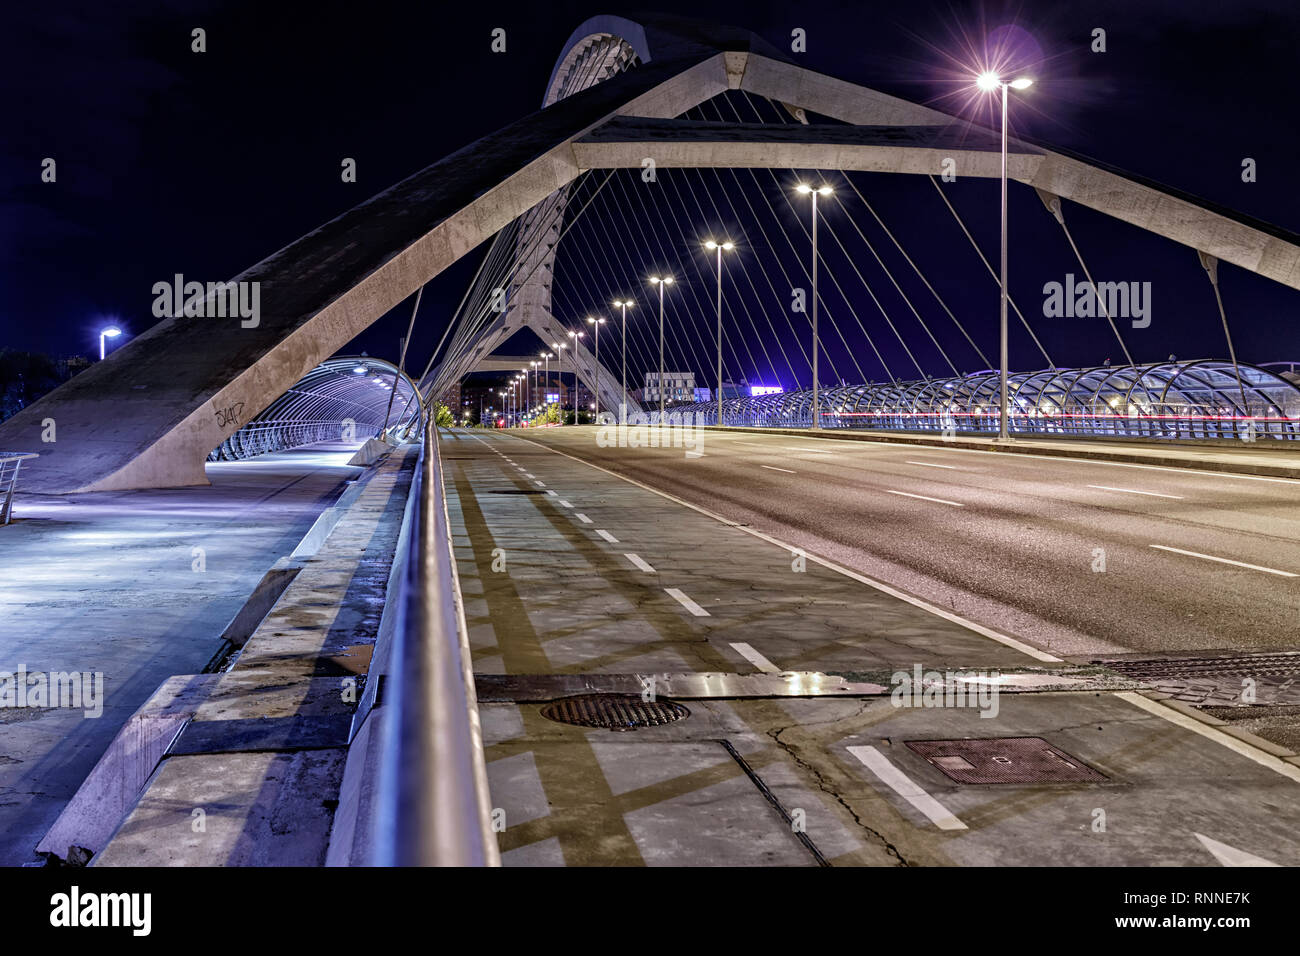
[677, 387]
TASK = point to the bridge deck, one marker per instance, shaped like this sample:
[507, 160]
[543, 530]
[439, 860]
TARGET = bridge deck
[556, 608]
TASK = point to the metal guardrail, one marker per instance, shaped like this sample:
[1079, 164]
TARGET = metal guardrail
[9, 464]
[433, 803]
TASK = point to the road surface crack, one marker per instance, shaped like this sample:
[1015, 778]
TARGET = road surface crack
[824, 784]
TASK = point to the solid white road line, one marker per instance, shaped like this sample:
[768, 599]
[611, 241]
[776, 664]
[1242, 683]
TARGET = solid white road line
[902, 785]
[774, 468]
[880, 586]
[1240, 564]
[757, 659]
[940, 501]
[582, 517]
[686, 602]
[932, 464]
[607, 536]
[1212, 733]
[810, 451]
[1134, 491]
[1231, 855]
[636, 559]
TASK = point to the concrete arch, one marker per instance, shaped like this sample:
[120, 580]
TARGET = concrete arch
[149, 415]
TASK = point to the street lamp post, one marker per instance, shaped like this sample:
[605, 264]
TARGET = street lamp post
[661, 282]
[719, 247]
[546, 359]
[596, 324]
[559, 366]
[990, 81]
[575, 336]
[815, 192]
[111, 332]
[623, 304]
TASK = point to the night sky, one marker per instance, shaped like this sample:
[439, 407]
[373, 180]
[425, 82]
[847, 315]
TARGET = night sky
[203, 164]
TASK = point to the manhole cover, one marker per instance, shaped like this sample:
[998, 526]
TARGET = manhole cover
[614, 711]
[515, 491]
[1237, 665]
[1004, 760]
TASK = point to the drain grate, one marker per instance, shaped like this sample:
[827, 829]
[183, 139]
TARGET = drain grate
[614, 711]
[1236, 665]
[1004, 760]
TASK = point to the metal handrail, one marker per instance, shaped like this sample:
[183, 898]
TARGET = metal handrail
[10, 461]
[434, 808]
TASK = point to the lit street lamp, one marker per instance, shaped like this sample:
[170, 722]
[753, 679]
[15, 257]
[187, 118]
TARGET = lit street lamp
[623, 304]
[719, 247]
[661, 282]
[989, 81]
[807, 190]
[111, 332]
[575, 336]
[559, 366]
[597, 323]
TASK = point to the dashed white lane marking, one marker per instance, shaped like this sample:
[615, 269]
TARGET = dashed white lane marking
[902, 785]
[940, 501]
[564, 504]
[539, 484]
[637, 560]
[1240, 564]
[1212, 733]
[582, 517]
[932, 464]
[555, 494]
[774, 468]
[757, 659]
[607, 536]
[677, 595]
[529, 475]
[881, 586]
[1134, 491]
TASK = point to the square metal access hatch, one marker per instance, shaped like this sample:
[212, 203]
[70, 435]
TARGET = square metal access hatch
[1004, 760]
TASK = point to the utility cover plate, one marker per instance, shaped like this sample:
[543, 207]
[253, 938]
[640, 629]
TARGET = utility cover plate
[1004, 760]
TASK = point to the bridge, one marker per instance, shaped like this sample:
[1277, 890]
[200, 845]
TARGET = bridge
[840, 620]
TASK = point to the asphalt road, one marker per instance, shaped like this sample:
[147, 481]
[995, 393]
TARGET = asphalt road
[1015, 542]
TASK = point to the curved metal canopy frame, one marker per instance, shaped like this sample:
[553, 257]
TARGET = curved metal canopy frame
[345, 398]
[1194, 399]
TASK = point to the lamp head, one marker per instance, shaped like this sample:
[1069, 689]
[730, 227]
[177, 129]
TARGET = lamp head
[1023, 83]
[988, 81]
[804, 188]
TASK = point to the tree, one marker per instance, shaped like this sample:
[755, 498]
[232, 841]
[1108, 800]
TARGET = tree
[550, 416]
[442, 416]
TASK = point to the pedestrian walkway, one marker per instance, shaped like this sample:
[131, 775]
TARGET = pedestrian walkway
[135, 586]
